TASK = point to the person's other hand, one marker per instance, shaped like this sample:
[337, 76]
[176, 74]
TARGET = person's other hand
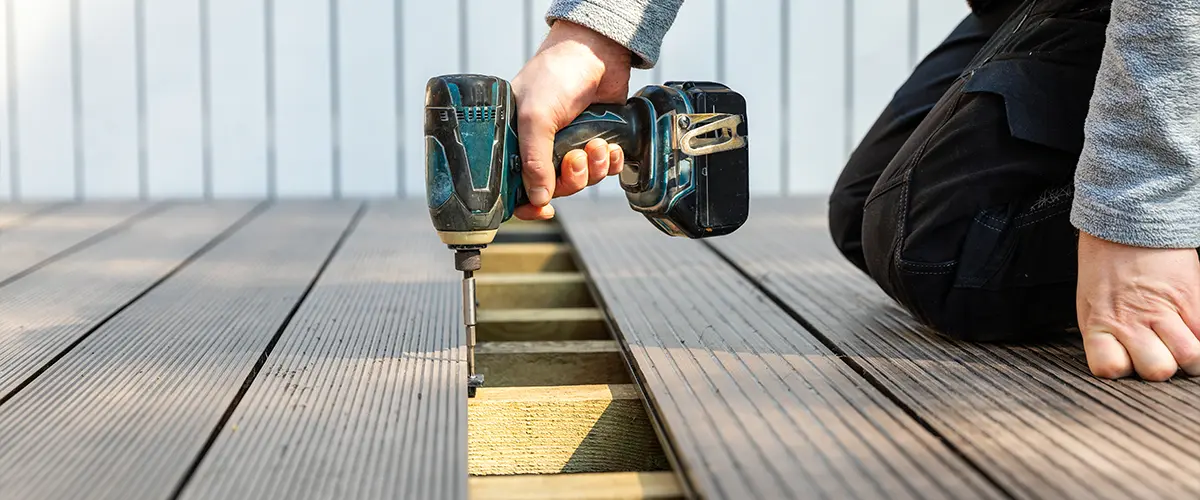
[574, 68]
[1139, 309]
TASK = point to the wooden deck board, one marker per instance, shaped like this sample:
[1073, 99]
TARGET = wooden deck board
[30, 243]
[49, 310]
[364, 396]
[149, 350]
[752, 405]
[14, 214]
[1030, 417]
[127, 412]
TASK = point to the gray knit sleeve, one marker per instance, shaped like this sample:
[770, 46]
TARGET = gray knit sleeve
[1138, 181]
[638, 25]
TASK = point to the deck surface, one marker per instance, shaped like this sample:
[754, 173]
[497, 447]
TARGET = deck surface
[314, 350]
[230, 350]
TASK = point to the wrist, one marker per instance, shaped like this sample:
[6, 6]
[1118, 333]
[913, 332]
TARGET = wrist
[602, 54]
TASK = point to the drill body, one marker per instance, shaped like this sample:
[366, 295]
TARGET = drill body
[685, 145]
[686, 161]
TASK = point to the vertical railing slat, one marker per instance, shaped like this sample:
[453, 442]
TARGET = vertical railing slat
[8, 150]
[108, 117]
[44, 99]
[752, 54]
[367, 96]
[226, 98]
[880, 59]
[936, 19]
[303, 117]
[816, 107]
[238, 98]
[173, 114]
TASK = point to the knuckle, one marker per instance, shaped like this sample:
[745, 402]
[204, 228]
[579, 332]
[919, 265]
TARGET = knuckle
[536, 167]
[1159, 373]
[1188, 353]
[1109, 370]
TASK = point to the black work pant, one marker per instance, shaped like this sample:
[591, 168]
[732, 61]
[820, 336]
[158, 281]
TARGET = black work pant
[957, 202]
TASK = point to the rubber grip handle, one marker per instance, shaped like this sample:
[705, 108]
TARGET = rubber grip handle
[622, 124]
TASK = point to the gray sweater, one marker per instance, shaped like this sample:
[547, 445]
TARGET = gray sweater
[1138, 179]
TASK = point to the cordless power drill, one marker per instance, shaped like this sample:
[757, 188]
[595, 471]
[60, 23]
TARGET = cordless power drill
[685, 169]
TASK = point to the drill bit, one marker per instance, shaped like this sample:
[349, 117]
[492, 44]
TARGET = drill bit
[468, 286]
[467, 260]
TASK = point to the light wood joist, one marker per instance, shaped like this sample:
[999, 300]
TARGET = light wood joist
[560, 429]
[659, 485]
[532, 290]
[568, 362]
[527, 258]
[541, 324]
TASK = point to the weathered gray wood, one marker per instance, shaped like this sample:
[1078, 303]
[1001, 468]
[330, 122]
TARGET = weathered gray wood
[33, 243]
[12, 214]
[751, 404]
[127, 412]
[364, 396]
[1031, 417]
[44, 314]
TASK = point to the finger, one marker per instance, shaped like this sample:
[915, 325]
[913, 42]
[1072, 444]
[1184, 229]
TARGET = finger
[1106, 357]
[536, 131]
[530, 212]
[1182, 342]
[616, 159]
[574, 174]
[1151, 358]
[597, 152]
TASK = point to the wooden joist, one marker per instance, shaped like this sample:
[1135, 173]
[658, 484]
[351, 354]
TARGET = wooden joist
[532, 290]
[527, 258]
[568, 362]
[541, 324]
[578, 486]
[560, 429]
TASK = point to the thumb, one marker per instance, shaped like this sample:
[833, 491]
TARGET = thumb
[536, 130]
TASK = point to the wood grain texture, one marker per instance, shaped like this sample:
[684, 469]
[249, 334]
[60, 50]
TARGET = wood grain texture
[542, 430]
[752, 405]
[127, 411]
[364, 396]
[1030, 416]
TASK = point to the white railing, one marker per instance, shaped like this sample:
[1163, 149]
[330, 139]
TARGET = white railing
[304, 98]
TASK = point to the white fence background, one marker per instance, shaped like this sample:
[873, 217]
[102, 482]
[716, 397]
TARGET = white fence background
[322, 98]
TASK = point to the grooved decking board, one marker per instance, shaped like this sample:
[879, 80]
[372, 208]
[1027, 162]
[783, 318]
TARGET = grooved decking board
[13, 214]
[1031, 417]
[127, 412]
[750, 403]
[365, 394]
[51, 308]
[32, 242]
